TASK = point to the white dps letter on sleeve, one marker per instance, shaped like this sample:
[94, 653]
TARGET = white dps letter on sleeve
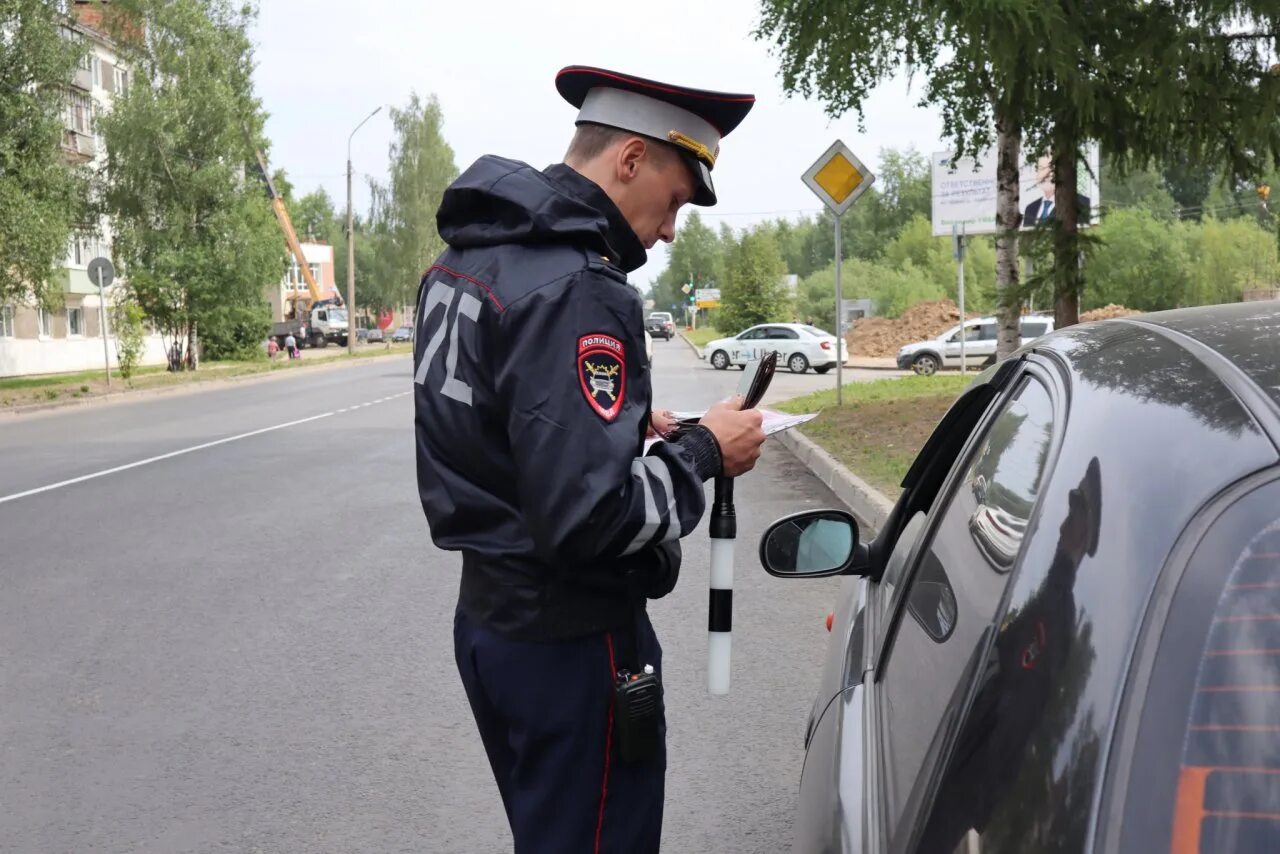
[442, 295]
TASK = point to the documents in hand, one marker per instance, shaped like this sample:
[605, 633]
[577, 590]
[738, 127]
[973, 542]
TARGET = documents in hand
[774, 422]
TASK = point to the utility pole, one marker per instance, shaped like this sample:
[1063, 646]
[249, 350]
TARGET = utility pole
[351, 248]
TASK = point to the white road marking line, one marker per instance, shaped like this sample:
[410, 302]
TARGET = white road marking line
[168, 456]
[192, 449]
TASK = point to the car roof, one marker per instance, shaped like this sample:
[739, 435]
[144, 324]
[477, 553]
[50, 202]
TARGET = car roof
[1246, 335]
[1228, 354]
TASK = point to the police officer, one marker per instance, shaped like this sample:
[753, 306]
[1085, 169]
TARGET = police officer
[532, 403]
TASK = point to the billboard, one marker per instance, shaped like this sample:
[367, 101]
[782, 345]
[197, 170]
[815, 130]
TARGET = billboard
[965, 196]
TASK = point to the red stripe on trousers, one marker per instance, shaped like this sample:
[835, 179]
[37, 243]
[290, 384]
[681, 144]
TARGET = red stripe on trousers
[608, 748]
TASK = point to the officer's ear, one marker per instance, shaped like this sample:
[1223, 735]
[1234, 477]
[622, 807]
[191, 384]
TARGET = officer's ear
[629, 157]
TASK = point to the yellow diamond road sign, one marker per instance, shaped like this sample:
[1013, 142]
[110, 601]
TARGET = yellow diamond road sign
[838, 177]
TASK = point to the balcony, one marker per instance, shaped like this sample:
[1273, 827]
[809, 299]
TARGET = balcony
[82, 78]
[79, 147]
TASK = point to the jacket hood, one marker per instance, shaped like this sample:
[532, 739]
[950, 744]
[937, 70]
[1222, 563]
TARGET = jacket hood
[500, 201]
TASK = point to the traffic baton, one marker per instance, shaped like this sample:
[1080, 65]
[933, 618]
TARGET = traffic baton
[724, 532]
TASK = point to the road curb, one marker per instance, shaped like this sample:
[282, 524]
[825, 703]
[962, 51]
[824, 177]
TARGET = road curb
[193, 387]
[868, 505]
[692, 346]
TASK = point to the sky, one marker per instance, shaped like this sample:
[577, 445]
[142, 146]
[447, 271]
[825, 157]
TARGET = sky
[323, 65]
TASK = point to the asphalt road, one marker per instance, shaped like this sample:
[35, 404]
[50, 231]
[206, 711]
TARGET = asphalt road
[224, 628]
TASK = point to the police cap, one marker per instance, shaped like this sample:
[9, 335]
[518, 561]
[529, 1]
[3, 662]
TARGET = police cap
[692, 120]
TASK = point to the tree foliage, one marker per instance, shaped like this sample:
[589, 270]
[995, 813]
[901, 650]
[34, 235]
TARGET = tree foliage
[42, 198]
[194, 230]
[404, 221]
[128, 325]
[754, 292]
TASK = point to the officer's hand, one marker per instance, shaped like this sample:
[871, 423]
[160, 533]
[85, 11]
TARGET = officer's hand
[738, 433]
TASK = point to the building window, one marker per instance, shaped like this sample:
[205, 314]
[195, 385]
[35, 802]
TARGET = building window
[45, 321]
[121, 78]
[6, 321]
[95, 68]
[75, 321]
[80, 112]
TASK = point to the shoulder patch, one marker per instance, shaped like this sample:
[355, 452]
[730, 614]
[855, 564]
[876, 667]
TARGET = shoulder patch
[602, 373]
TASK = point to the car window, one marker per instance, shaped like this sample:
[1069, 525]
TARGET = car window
[752, 335]
[1034, 328]
[987, 332]
[1205, 772]
[954, 590]
[783, 333]
[971, 333]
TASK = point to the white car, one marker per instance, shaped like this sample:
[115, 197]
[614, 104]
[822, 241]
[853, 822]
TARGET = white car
[926, 357]
[799, 347]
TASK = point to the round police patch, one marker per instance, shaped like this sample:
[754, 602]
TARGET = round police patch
[602, 373]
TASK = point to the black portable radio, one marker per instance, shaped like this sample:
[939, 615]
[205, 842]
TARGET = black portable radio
[637, 713]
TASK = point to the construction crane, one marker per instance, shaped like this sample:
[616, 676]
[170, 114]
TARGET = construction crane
[290, 236]
[309, 321]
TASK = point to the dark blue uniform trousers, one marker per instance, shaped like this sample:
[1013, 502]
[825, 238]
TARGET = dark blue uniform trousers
[545, 714]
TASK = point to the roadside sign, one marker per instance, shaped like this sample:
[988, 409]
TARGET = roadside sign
[838, 178]
[101, 272]
[965, 197]
[707, 297]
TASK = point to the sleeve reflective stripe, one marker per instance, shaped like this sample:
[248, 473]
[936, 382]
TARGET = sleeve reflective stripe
[659, 467]
[651, 517]
[645, 468]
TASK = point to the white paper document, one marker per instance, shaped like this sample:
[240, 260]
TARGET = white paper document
[774, 422]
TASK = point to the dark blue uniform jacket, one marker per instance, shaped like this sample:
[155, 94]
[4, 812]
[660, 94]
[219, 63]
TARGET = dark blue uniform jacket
[532, 398]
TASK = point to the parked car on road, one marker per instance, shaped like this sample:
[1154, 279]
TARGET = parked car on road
[375, 336]
[403, 334]
[926, 357]
[660, 324]
[799, 347]
[1066, 635]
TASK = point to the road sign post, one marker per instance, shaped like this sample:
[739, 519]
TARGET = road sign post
[102, 270]
[838, 178]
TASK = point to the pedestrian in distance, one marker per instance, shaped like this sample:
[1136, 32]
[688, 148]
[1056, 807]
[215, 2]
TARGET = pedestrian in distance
[533, 398]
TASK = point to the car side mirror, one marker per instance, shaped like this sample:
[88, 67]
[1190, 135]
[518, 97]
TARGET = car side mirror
[814, 544]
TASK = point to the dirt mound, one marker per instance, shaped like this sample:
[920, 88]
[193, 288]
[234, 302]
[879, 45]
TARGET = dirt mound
[1107, 312]
[882, 336]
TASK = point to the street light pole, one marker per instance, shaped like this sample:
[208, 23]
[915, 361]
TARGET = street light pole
[351, 248]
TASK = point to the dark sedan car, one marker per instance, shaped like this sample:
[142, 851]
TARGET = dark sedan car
[1066, 638]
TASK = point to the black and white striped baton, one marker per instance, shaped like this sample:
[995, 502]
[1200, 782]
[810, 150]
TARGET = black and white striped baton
[724, 532]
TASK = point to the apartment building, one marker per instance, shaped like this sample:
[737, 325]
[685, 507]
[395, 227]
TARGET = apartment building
[36, 341]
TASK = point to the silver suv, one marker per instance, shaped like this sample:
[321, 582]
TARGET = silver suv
[926, 357]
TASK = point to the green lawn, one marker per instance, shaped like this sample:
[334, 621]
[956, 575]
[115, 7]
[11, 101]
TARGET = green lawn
[703, 337]
[882, 425]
